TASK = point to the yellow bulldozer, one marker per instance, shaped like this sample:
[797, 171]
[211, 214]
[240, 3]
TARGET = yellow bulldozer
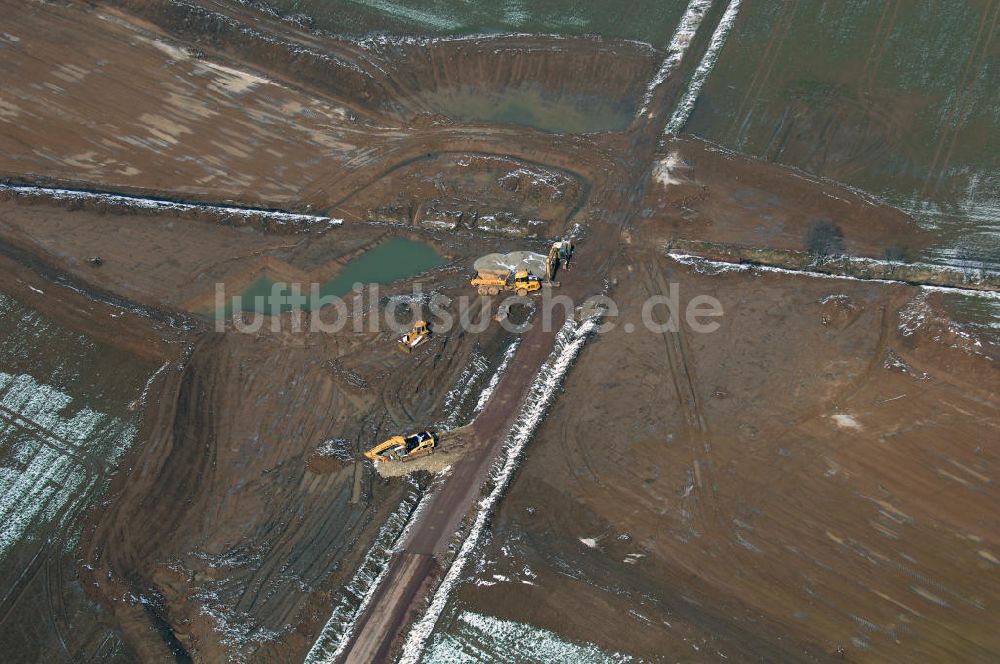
[404, 448]
[492, 283]
[420, 333]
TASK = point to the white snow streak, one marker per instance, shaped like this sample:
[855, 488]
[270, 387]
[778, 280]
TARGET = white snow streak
[149, 383]
[712, 267]
[338, 629]
[686, 105]
[569, 341]
[517, 641]
[119, 200]
[686, 29]
[487, 392]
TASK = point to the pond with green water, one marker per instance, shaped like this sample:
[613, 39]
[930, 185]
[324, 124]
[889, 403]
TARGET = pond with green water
[389, 261]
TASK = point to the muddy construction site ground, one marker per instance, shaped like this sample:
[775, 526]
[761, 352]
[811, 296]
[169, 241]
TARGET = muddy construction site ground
[814, 479]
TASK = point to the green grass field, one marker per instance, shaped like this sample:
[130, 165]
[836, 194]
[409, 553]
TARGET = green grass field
[899, 98]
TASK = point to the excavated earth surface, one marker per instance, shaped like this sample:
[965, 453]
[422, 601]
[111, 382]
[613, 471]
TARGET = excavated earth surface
[816, 475]
[814, 480]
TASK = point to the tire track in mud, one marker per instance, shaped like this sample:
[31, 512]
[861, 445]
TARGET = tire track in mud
[775, 42]
[13, 594]
[966, 106]
[95, 472]
[178, 461]
[880, 42]
[94, 466]
[180, 321]
[55, 601]
[694, 421]
[855, 386]
[48, 559]
[787, 25]
[415, 151]
[568, 434]
[863, 84]
[951, 125]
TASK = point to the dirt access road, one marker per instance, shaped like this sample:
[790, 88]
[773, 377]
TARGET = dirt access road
[430, 535]
[411, 572]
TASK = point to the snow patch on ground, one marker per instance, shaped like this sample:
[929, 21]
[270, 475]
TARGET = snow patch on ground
[478, 638]
[337, 448]
[46, 440]
[472, 376]
[536, 178]
[239, 630]
[429, 19]
[569, 341]
[174, 52]
[231, 80]
[845, 421]
[894, 362]
[665, 170]
[589, 542]
[919, 315]
[914, 315]
[494, 579]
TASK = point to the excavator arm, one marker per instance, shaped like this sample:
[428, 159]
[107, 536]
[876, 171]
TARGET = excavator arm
[375, 453]
[399, 448]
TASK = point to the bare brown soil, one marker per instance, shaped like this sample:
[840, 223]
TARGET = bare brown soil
[815, 476]
[814, 479]
[214, 446]
[705, 192]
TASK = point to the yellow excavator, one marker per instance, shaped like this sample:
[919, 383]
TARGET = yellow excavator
[404, 448]
[491, 283]
[420, 333]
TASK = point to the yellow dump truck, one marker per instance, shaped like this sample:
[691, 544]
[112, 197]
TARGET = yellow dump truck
[492, 283]
[404, 448]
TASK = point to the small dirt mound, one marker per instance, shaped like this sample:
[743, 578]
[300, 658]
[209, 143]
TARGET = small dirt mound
[331, 455]
[839, 311]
